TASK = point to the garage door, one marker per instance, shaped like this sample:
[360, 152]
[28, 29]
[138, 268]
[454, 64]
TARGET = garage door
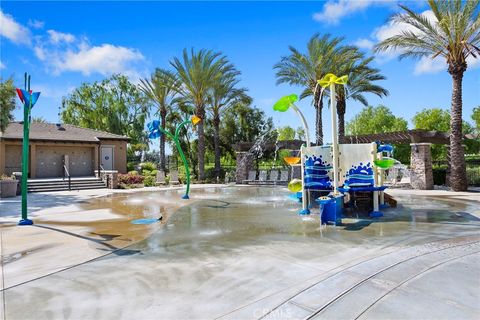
[50, 161]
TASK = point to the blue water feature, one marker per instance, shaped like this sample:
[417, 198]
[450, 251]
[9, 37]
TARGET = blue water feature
[145, 221]
[316, 173]
[361, 175]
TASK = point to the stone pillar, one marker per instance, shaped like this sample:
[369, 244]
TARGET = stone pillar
[244, 164]
[421, 164]
[111, 179]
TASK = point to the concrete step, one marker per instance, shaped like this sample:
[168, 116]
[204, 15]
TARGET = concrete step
[50, 185]
[62, 182]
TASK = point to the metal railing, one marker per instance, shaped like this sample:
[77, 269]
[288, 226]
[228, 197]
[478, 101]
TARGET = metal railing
[102, 175]
[67, 174]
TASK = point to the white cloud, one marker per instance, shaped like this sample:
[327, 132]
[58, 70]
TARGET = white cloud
[105, 59]
[429, 65]
[364, 43]
[2, 65]
[13, 31]
[334, 10]
[392, 28]
[36, 24]
[473, 62]
[57, 37]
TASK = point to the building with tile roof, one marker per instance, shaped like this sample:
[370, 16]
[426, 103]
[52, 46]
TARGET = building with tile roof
[57, 148]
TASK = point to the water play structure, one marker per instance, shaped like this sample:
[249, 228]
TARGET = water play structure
[333, 174]
[155, 131]
[28, 98]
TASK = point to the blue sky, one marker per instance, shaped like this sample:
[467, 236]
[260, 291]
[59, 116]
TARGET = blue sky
[63, 44]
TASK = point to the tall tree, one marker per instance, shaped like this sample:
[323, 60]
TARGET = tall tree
[304, 69]
[243, 123]
[161, 89]
[453, 35]
[223, 95]
[286, 133]
[434, 119]
[197, 71]
[380, 119]
[114, 105]
[7, 103]
[361, 78]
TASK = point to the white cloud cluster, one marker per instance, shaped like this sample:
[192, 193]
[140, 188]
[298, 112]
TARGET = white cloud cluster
[334, 11]
[62, 52]
[36, 24]
[58, 37]
[2, 65]
[363, 43]
[425, 64]
[104, 59]
[13, 31]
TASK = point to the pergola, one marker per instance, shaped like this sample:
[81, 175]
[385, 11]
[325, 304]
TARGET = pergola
[419, 140]
[401, 137]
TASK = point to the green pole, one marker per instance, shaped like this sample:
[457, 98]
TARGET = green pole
[26, 133]
[182, 155]
[180, 151]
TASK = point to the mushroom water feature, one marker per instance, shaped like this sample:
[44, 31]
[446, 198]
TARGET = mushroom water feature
[155, 131]
[282, 105]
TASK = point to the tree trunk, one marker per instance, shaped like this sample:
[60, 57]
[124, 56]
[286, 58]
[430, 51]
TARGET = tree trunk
[458, 173]
[216, 141]
[163, 117]
[201, 143]
[318, 104]
[341, 109]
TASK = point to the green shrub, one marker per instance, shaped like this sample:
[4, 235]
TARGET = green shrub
[473, 176]
[210, 175]
[149, 181]
[150, 166]
[439, 176]
[152, 173]
[130, 179]
[130, 166]
[133, 173]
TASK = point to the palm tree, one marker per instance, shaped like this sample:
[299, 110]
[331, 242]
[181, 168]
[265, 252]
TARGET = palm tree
[454, 35]
[197, 71]
[360, 80]
[304, 69]
[161, 90]
[224, 94]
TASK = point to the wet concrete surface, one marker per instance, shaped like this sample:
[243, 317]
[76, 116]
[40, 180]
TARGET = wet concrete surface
[243, 252]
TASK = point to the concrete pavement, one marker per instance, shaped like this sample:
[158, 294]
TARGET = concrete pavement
[243, 253]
